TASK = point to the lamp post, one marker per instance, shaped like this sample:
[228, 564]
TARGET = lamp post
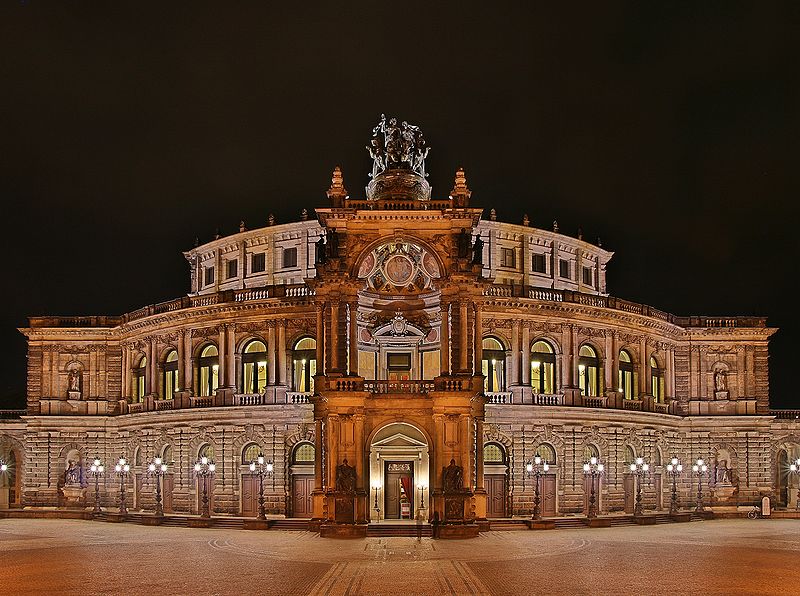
[376, 488]
[422, 488]
[593, 469]
[674, 469]
[122, 469]
[794, 467]
[96, 469]
[204, 470]
[157, 468]
[699, 468]
[639, 468]
[263, 468]
[536, 468]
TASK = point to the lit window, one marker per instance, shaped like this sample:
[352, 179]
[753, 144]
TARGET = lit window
[254, 364]
[139, 376]
[250, 453]
[304, 364]
[656, 380]
[171, 375]
[493, 454]
[588, 371]
[493, 365]
[208, 364]
[626, 375]
[543, 367]
[304, 453]
[547, 453]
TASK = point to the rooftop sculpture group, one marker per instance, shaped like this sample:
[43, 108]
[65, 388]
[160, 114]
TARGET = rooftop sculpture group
[396, 146]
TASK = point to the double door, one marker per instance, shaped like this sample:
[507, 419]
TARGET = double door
[399, 490]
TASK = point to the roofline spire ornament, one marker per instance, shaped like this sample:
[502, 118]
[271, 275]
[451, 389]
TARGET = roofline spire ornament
[337, 193]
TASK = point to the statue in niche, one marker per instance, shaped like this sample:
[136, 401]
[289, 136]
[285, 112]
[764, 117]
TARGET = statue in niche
[72, 475]
[333, 244]
[463, 244]
[345, 478]
[453, 478]
[720, 383]
[722, 473]
[477, 252]
[74, 380]
[321, 256]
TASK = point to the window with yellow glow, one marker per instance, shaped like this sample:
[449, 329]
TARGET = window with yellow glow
[626, 375]
[304, 364]
[139, 376]
[588, 371]
[254, 365]
[171, 375]
[208, 365]
[656, 380]
[543, 367]
[493, 365]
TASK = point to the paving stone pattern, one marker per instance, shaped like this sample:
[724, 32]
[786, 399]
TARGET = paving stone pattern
[714, 557]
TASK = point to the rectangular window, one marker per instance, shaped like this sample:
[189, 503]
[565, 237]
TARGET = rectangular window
[258, 263]
[588, 276]
[563, 269]
[508, 258]
[209, 276]
[233, 268]
[539, 263]
[289, 257]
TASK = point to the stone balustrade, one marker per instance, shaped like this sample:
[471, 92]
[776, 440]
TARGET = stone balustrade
[408, 386]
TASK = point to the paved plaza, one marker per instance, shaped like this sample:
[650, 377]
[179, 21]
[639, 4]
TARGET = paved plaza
[712, 557]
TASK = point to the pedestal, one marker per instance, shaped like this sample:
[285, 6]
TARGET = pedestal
[458, 531]
[681, 517]
[74, 496]
[334, 530]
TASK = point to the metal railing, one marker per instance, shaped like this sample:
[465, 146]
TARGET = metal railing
[11, 414]
[786, 414]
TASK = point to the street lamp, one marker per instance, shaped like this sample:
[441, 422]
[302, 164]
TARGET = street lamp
[639, 468]
[794, 467]
[422, 488]
[96, 469]
[262, 468]
[204, 469]
[377, 487]
[536, 468]
[699, 468]
[157, 468]
[593, 469]
[674, 469]
[122, 469]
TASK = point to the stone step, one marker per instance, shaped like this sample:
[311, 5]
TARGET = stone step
[399, 530]
[298, 525]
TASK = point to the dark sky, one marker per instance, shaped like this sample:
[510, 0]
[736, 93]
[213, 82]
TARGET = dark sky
[668, 129]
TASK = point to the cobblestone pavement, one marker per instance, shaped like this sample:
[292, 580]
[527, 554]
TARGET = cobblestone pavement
[712, 557]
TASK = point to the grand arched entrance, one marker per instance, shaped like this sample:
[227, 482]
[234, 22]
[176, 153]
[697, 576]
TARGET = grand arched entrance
[399, 471]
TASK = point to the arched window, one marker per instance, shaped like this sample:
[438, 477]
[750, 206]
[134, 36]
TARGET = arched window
[207, 450]
[250, 453]
[656, 380]
[304, 453]
[304, 364]
[170, 374]
[626, 376]
[657, 458]
[547, 453]
[493, 365]
[494, 454]
[254, 365]
[588, 371]
[139, 376]
[630, 456]
[543, 367]
[208, 364]
[589, 452]
[166, 454]
[137, 457]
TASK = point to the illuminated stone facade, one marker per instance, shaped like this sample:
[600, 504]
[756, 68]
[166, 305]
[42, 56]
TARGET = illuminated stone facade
[400, 351]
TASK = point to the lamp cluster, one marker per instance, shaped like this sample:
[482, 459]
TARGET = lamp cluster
[263, 468]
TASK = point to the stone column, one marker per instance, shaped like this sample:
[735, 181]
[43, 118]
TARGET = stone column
[126, 371]
[478, 349]
[566, 356]
[188, 373]
[230, 352]
[271, 353]
[221, 344]
[516, 355]
[615, 361]
[644, 365]
[479, 453]
[333, 343]
[464, 333]
[281, 351]
[608, 363]
[525, 364]
[573, 341]
[320, 307]
[181, 372]
[353, 335]
[444, 341]
[318, 484]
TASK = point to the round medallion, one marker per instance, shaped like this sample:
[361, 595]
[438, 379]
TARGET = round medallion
[399, 269]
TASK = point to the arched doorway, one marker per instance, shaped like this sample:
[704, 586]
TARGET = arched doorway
[10, 481]
[302, 475]
[495, 470]
[547, 489]
[399, 468]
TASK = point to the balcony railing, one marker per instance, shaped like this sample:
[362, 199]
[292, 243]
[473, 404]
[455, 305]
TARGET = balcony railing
[12, 414]
[786, 414]
[408, 386]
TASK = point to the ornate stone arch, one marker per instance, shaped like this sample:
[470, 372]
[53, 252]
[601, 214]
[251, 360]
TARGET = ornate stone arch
[366, 251]
[246, 338]
[203, 436]
[9, 443]
[593, 437]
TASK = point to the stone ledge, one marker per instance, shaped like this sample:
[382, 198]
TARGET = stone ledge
[199, 522]
[541, 524]
[327, 530]
[256, 524]
[449, 531]
[598, 522]
[645, 520]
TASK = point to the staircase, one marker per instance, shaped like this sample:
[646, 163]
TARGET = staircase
[398, 530]
[570, 523]
[506, 524]
[292, 524]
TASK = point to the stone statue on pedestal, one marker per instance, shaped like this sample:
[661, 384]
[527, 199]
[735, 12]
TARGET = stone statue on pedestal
[72, 475]
[345, 478]
[453, 478]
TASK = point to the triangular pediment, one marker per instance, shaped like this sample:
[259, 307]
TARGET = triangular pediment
[399, 440]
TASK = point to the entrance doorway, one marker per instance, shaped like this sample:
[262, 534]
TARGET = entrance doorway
[399, 490]
[628, 484]
[398, 468]
[495, 495]
[250, 494]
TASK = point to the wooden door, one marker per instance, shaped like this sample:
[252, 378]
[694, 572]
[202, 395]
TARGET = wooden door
[659, 491]
[548, 495]
[250, 494]
[166, 493]
[495, 495]
[628, 483]
[302, 489]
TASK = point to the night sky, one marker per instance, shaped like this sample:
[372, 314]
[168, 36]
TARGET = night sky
[668, 129]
